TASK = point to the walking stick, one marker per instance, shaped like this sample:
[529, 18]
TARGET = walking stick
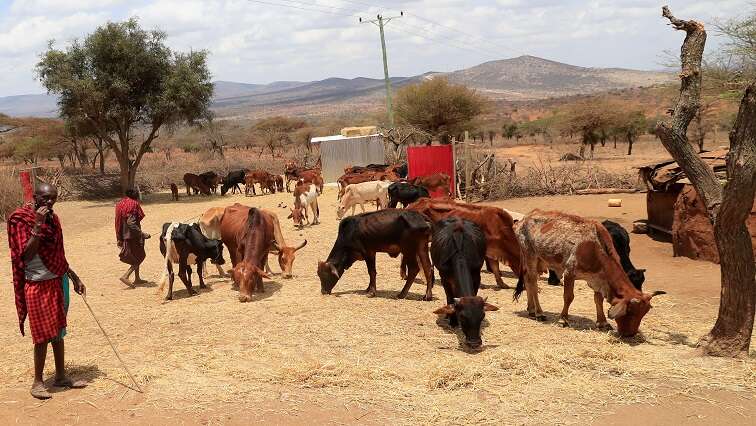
[123, 364]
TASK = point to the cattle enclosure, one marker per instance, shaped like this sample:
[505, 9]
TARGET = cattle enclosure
[295, 356]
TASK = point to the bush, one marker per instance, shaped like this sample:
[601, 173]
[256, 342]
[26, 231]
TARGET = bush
[11, 196]
[546, 178]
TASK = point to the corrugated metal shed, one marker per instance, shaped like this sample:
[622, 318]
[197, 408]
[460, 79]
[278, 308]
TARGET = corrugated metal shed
[338, 152]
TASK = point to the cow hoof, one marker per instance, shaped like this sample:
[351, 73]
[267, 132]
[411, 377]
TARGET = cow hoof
[401, 295]
[245, 299]
[563, 322]
[371, 294]
[428, 297]
[604, 326]
[168, 297]
[202, 286]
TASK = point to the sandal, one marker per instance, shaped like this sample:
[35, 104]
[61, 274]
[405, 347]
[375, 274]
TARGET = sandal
[40, 392]
[71, 384]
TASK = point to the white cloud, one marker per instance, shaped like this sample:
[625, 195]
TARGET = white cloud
[255, 42]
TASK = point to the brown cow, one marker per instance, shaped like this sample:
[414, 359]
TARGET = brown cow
[352, 178]
[581, 249]
[249, 239]
[305, 195]
[261, 177]
[434, 182]
[174, 192]
[211, 221]
[294, 173]
[501, 242]
[195, 183]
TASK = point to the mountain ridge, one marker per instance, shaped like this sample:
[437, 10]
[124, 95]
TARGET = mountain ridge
[521, 78]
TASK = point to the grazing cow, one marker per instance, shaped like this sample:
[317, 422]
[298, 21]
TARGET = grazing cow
[405, 193]
[434, 182]
[196, 184]
[232, 181]
[580, 249]
[211, 221]
[497, 225]
[174, 192]
[361, 193]
[249, 239]
[211, 179]
[458, 247]
[313, 178]
[261, 177]
[621, 241]
[389, 231]
[185, 245]
[368, 168]
[279, 182]
[305, 195]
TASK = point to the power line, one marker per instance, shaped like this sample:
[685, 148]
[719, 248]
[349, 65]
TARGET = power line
[325, 6]
[448, 42]
[452, 41]
[305, 9]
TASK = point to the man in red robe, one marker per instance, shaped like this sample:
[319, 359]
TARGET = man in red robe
[40, 282]
[128, 225]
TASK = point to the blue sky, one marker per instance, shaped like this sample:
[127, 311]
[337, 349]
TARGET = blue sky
[259, 41]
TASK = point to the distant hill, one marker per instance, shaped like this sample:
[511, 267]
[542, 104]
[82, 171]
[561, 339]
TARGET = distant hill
[529, 77]
[521, 78]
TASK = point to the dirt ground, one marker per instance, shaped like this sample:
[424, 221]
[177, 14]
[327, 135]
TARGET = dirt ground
[293, 356]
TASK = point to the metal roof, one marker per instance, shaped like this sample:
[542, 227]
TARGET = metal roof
[320, 139]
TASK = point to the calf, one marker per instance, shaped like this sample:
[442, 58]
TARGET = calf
[405, 193]
[580, 249]
[232, 181]
[621, 241]
[497, 225]
[305, 195]
[294, 173]
[361, 193]
[174, 192]
[185, 245]
[385, 231]
[457, 249]
[211, 221]
[196, 184]
[434, 182]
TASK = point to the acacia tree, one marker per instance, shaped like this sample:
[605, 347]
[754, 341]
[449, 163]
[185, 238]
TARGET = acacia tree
[438, 107]
[122, 79]
[728, 206]
[630, 126]
[591, 120]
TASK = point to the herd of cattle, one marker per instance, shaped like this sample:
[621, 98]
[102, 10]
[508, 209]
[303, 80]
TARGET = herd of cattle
[454, 237]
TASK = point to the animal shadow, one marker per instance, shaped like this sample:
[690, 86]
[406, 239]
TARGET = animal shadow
[271, 288]
[443, 322]
[577, 322]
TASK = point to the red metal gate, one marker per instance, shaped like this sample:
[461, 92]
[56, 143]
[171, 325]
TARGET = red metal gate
[427, 160]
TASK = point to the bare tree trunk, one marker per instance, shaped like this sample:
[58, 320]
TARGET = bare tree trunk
[729, 207]
[630, 145]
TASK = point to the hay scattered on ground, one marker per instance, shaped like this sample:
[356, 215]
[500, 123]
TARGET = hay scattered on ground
[389, 356]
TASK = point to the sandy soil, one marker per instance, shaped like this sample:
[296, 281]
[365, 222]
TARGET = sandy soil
[293, 356]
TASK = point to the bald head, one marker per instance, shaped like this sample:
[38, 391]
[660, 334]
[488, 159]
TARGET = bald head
[45, 195]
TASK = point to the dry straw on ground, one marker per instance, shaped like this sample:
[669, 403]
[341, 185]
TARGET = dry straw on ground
[389, 356]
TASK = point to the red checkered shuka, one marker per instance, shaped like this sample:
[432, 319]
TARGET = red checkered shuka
[51, 251]
[46, 308]
[125, 208]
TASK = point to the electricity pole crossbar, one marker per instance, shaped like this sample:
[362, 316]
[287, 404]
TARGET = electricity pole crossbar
[380, 22]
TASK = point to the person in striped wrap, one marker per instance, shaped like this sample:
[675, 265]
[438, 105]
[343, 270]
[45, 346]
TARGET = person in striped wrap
[40, 282]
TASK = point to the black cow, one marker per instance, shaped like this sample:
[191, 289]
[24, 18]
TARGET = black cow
[389, 231]
[621, 241]
[458, 249]
[188, 240]
[233, 180]
[210, 179]
[401, 171]
[405, 193]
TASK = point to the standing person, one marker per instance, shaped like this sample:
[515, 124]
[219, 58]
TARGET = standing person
[128, 218]
[40, 283]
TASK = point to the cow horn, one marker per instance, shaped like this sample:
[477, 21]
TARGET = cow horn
[456, 300]
[658, 292]
[304, 243]
[635, 300]
[641, 270]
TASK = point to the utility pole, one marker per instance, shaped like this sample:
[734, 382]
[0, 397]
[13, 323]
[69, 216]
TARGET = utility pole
[380, 22]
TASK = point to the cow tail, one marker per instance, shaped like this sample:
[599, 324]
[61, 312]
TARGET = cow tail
[523, 227]
[168, 243]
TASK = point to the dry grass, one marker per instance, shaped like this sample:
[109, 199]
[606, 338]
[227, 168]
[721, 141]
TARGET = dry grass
[11, 194]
